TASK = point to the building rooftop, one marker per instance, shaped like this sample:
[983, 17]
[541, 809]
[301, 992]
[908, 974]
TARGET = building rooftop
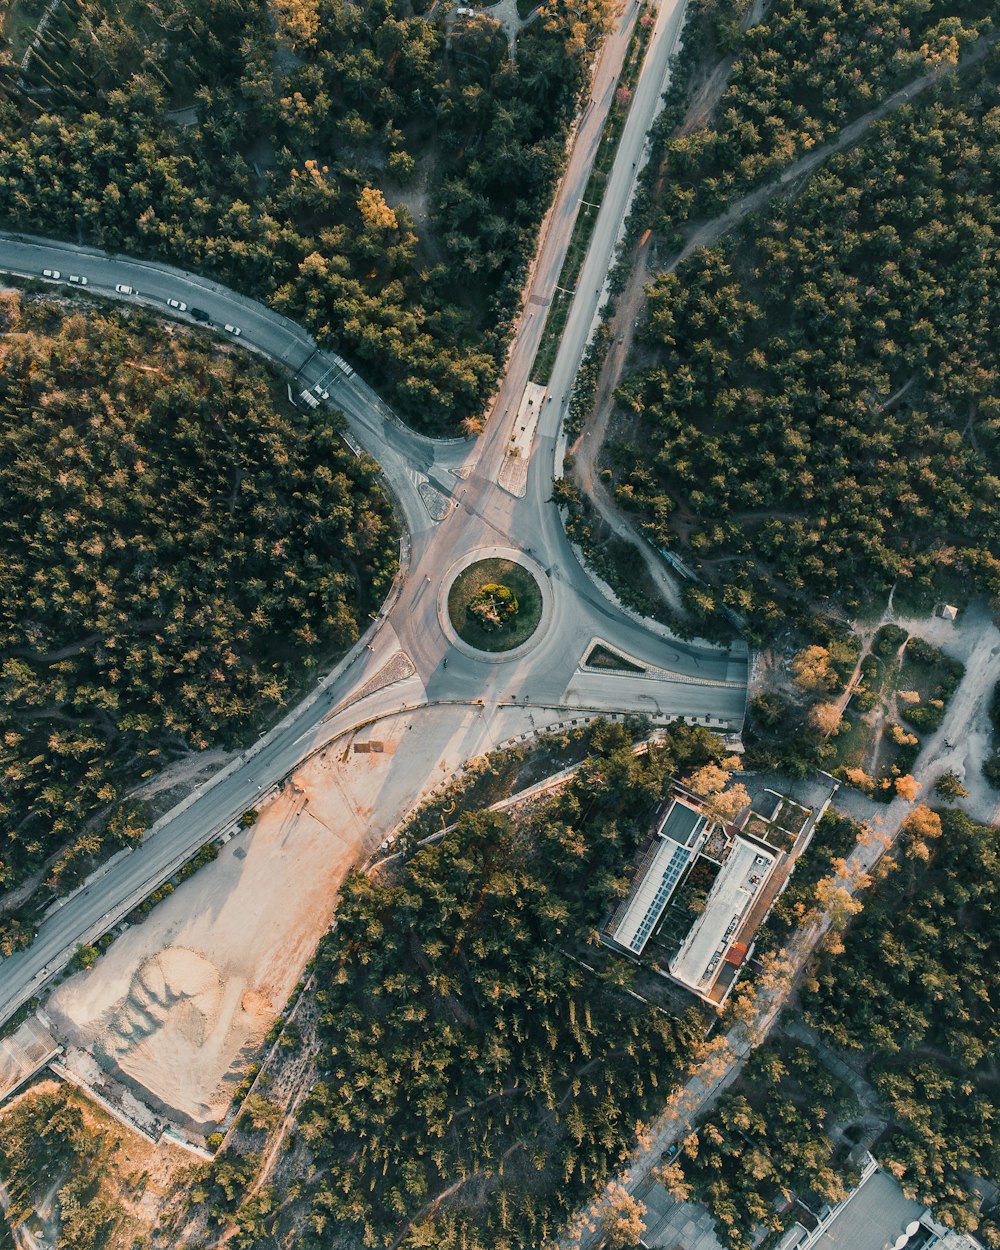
[678, 838]
[682, 822]
[876, 1216]
[707, 944]
[873, 1217]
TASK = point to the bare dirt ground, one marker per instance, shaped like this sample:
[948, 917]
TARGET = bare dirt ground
[963, 741]
[184, 772]
[179, 1005]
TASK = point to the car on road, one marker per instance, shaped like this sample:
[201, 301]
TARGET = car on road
[234, 330]
[200, 314]
[123, 289]
[178, 304]
[51, 273]
[78, 279]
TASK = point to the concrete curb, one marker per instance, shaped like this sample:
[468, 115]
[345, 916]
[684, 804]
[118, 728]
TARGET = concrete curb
[495, 553]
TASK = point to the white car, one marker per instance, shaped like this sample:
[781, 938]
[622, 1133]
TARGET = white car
[122, 289]
[234, 330]
[51, 273]
[178, 304]
[78, 279]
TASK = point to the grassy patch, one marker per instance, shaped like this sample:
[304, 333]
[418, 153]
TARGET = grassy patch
[850, 744]
[470, 583]
[603, 657]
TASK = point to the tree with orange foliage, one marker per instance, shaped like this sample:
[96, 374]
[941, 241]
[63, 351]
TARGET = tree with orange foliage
[907, 787]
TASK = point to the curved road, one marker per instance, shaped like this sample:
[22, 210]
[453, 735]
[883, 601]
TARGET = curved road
[451, 506]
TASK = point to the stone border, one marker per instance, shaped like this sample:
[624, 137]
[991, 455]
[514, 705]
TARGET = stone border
[495, 553]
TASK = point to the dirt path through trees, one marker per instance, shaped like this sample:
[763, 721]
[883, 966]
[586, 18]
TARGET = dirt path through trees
[587, 447]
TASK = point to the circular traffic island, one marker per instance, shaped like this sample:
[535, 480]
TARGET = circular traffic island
[494, 605]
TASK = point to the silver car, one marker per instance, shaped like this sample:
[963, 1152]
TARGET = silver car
[178, 304]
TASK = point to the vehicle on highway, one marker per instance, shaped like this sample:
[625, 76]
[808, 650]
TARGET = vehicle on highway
[200, 314]
[51, 273]
[123, 289]
[320, 392]
[234, 330]
[178, 304]
[78, 279]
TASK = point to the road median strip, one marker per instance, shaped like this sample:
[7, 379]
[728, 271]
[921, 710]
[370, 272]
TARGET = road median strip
[593, 196]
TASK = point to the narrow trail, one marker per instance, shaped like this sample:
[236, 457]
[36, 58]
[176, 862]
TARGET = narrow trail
[587, 447]
[866, 637]
[709, 233]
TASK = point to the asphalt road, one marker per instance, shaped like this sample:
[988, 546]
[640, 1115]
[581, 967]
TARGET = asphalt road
[567, 204]
[703, 683]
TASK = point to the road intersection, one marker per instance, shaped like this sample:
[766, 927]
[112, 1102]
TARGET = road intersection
[450, 505]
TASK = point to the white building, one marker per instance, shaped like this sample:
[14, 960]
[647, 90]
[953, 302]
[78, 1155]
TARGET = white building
[877, 1216]
[679, 837]
[711, 937]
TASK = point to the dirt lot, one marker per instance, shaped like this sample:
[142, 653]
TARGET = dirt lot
[179, 1005]
[963, 740]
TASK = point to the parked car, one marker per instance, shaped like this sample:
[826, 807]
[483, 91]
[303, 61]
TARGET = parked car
[178, 304]
[51, 273]
[122, 289]
[200, 314]
[78, 279]
[234, 330]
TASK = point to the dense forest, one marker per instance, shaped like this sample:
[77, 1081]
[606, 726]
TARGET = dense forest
[179, 549]
[476, 1078]
[915, 991]
[800, 74]
[374, 171]
[821, 421]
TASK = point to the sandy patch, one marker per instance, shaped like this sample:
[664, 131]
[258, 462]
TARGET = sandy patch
[179, 1005]
[170, 1019]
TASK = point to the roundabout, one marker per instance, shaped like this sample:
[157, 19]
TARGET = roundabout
[493, 604]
